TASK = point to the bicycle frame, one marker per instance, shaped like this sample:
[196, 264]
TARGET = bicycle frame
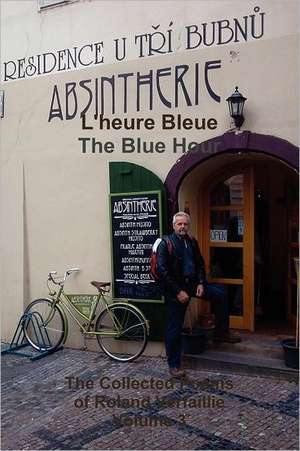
[64, 302]
[120, 327]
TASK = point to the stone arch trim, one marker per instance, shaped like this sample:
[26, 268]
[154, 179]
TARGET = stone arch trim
[229, 142]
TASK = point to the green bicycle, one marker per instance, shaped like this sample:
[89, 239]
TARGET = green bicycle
[121, 328]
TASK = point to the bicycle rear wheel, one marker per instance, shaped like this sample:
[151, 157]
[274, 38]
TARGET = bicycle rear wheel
[44, 326]
[122, 332]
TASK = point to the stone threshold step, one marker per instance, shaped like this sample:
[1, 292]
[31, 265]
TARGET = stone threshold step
[225, 361]
[264, 349]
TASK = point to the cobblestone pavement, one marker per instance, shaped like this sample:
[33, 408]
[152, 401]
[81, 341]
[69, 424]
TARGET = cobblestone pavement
[82, 400]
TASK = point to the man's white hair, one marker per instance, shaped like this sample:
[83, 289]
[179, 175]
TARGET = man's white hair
[181, 213]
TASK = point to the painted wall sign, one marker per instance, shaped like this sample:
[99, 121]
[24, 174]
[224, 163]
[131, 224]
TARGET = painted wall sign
[83, 302]
[158, 41]
[135, 225]
[133, 91]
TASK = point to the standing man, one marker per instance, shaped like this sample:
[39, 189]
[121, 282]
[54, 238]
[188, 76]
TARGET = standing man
[181, 272]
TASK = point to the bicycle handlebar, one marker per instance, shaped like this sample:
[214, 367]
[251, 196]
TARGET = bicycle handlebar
[64, 277]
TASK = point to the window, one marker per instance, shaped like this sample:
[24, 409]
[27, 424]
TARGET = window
[43, 4]
[1, 103]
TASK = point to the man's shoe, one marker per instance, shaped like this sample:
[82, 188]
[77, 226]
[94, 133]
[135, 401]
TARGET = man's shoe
[227, 338]
[177, 373]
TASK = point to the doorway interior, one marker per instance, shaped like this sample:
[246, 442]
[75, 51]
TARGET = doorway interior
[247, 210]
[276, 200]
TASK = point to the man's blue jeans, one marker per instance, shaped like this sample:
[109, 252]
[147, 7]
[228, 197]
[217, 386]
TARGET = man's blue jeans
[175, 312]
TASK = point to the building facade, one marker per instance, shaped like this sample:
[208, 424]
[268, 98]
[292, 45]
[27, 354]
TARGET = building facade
[114, 116]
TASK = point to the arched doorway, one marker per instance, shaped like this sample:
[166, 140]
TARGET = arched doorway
[244, 203]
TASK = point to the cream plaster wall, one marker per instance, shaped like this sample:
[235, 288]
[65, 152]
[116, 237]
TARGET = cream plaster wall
[54, 199]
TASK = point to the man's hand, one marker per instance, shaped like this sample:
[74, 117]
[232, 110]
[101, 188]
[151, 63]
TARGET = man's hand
[183, 297]
[200, 291]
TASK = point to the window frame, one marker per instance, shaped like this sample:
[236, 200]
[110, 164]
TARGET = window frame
[44, 5]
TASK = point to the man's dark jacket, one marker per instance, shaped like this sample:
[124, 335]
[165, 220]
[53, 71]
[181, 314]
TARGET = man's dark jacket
[170, 265]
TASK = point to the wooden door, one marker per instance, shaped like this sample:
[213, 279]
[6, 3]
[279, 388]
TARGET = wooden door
[131, 178]
[293, 262]
[227, 236]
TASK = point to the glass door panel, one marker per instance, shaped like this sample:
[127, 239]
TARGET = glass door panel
[226, 263]
[228, 192]
[226, 225]
[229, 240]
[235, 299]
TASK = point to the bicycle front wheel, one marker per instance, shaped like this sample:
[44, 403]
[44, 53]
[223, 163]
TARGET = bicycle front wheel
[44, 325]
[121, 332]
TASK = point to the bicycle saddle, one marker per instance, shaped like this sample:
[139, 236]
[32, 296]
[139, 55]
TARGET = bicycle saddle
[100, 285]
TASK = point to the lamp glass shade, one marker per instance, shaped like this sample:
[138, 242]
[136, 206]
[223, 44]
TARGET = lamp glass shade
[236, 104]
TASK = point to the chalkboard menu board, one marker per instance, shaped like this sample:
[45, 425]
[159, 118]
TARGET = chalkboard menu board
[135, 225]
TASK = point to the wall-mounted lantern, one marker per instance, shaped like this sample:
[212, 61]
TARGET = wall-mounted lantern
[236, 105]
